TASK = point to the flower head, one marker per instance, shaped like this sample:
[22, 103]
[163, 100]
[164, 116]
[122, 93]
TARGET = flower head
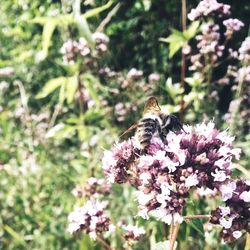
[166, 172]
[89, 218]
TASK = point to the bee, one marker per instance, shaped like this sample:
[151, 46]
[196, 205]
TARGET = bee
[153, 121]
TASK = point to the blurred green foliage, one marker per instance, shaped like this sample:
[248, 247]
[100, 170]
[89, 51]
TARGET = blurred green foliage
[50, 141]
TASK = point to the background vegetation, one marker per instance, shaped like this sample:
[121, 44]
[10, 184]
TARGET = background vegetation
[57, 118]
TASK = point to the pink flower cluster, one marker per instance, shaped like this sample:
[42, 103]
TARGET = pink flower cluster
[232, 25]
[235, 216]
[208, 8]
[211, 46]
[90, 218]
[241, 74]
[208, 45]
[244, 51]
[133, 232]
[7, 71]
[93, 188]
[71, 49]
[166, 172]
[116, 162]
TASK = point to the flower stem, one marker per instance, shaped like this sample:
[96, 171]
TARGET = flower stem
[171, 231]
[247, 245]
[104, 242]
[235, 112]
[174, 236]
[183, 58]
[199, 216]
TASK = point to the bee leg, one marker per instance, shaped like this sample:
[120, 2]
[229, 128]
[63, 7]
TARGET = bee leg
[162, 136]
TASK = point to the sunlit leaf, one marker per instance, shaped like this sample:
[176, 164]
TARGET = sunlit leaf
[191, 30]
[97, 10]
[84, 29]
[48, 30]
[163, 245]
[82, 132]
[147, 4]
[176, 40]
[89, 83]
[71, 88]
[61, 131]
[16, 236]
[51, 86]
[62, 94]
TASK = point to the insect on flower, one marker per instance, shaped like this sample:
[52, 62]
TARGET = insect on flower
[154, 121]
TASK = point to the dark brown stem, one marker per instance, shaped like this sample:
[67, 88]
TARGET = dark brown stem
[183, 59]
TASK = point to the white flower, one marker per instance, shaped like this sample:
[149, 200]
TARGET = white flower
[165, 188]
[73, 227]
[168, 219]
[226, 223]
[159, 213]
[227, 190]
[112, 228]
[108, 160]
[93, 222]
[224, 211]
[205, 129]
[145, 177]
[177, 218]
[206, 191]
[143, 213]
[137, 231]
[191, 180]
[224, 137]
[219, 175]
[236, 152]
[237, 234]
[92, 235]
[142, 198]
[245, 196]
[223, 164]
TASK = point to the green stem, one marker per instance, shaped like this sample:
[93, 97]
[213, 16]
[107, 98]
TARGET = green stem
[236, 110]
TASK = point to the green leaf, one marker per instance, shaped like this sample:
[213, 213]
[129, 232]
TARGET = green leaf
[97, 10]
[71, 88]
[175, 40]
[15, 235]
[61, 131]
[62, 93]
[82, 132]
[163, 245]
[51, 86]
[48, 30]
[90, 82]
[84, 29]
[85, 243]
[193, 82]
[50, 23]
[191, 30]
[147, 4]
[197, 225]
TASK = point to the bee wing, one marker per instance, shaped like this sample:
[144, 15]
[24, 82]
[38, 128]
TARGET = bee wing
[134, 126]
[152, 106]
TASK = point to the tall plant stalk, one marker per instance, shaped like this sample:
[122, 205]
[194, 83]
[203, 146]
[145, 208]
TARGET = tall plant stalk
[183, 57]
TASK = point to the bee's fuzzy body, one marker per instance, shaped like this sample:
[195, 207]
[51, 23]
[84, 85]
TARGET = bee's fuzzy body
[152, 124]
